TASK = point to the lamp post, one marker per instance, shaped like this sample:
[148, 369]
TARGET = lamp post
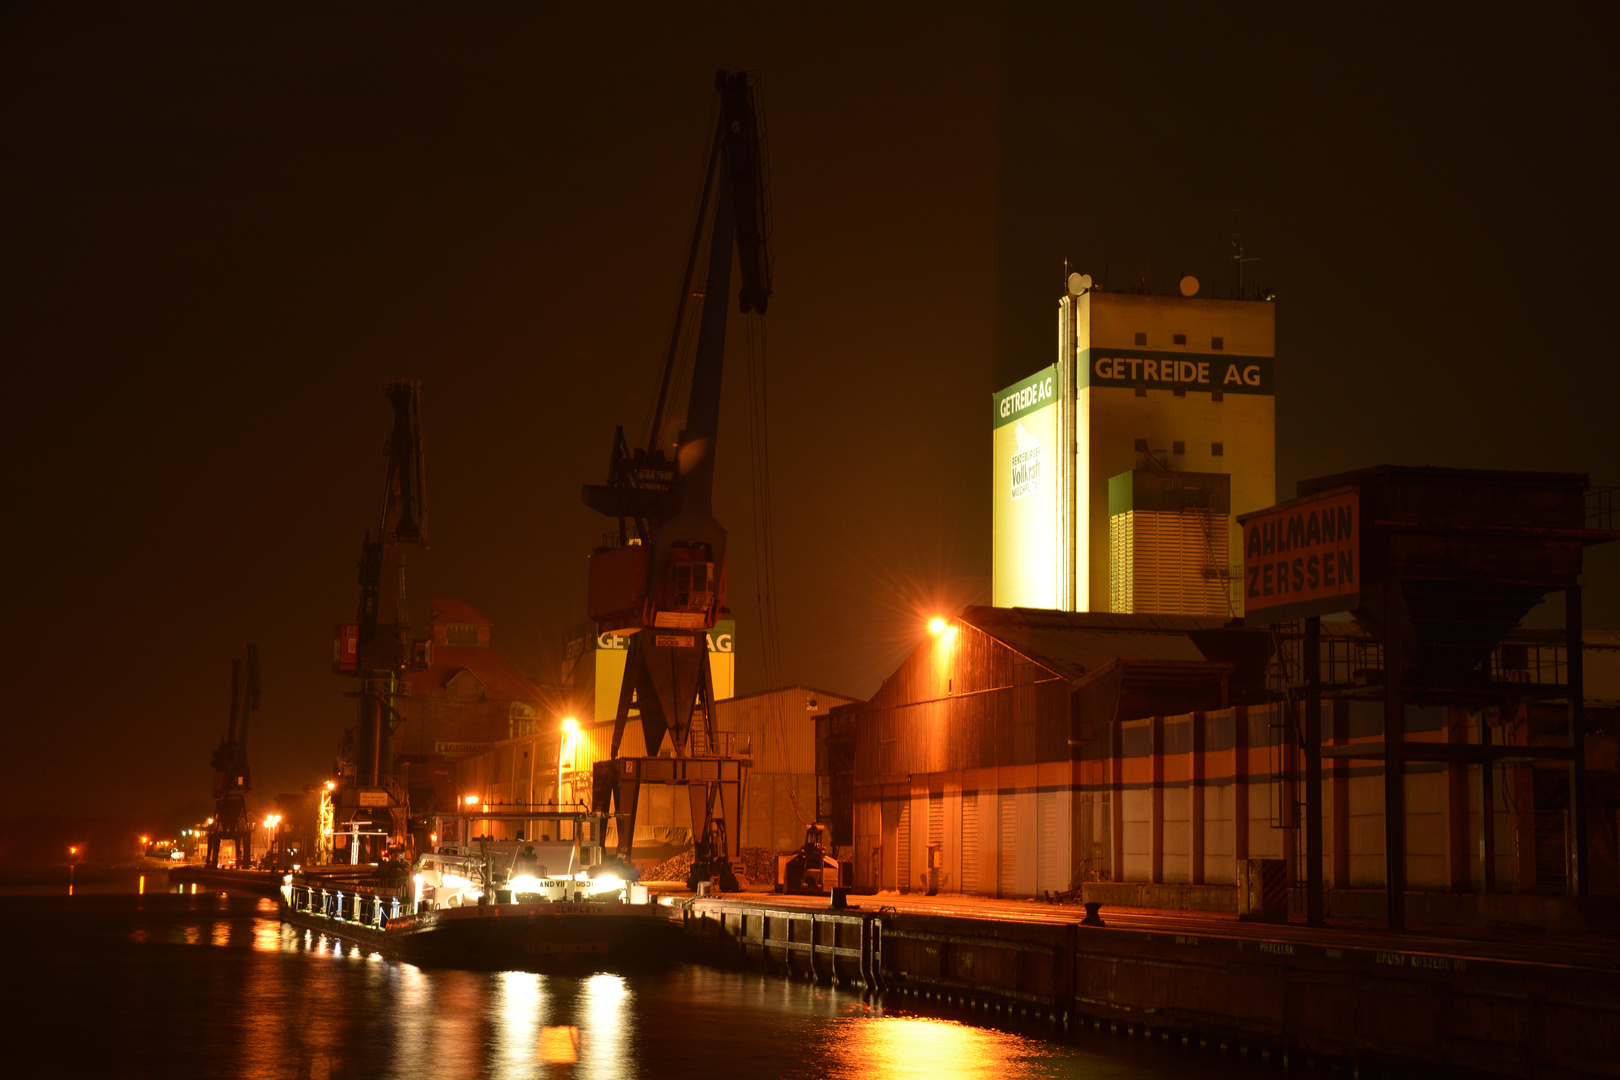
[570, 727]
[270, 824]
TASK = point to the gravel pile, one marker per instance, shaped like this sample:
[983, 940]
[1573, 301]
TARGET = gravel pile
[674, 869]
[755, 865]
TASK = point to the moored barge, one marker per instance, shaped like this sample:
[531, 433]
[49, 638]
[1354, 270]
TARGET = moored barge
[547, 904]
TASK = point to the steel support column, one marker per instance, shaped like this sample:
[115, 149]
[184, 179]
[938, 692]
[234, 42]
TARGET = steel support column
[1311, 659]
[1394, 760]
[1579, 884]
[1487, 813]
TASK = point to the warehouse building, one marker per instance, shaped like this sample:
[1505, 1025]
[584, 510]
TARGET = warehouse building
[773, 731]
[1023, 752]
[1148, 758]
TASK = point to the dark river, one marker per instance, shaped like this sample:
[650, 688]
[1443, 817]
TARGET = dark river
[125, 978]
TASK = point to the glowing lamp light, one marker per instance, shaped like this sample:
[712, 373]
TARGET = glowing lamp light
[331, 785]
[606, 883]
[570, 726]
[936, 626]
[471, 800]
[526, 883]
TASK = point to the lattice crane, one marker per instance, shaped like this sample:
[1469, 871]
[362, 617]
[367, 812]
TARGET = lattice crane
[378, 648]
[664, 584]
[233, 778]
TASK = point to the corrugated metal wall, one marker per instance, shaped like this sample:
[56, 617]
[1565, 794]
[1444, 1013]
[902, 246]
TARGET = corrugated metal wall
[963, 702]
[1194, 794]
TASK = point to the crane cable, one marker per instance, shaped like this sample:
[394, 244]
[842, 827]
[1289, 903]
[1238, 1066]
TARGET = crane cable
[765, 589]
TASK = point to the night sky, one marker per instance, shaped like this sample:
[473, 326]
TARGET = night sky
[225, 226]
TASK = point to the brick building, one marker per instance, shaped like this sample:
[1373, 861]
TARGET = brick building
[469, 699]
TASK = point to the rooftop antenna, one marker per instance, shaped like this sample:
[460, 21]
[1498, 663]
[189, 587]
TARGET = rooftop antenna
[1238, 256]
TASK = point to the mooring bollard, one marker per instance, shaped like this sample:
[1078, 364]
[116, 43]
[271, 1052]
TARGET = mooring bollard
[1092, 918]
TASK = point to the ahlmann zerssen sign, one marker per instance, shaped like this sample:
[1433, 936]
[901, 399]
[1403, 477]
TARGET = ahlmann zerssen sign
[1302, 558]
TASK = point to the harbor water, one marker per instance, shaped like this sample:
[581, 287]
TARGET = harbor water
[125, 975]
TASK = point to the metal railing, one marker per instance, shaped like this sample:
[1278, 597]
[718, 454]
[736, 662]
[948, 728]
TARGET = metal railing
[1603, 508]
[1352, 660]
[722, 743]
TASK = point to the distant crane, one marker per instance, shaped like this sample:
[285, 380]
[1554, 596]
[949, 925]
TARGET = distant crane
[233, 779]
[665, 582]
[378, 648]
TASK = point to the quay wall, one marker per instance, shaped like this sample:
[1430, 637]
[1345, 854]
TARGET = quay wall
[1304, 999]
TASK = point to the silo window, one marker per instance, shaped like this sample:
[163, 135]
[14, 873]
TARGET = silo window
[1217, 343]
[1141, 339]
[1178, 448]
[1178, 392]
[1141, 446]
[1141, 389]
[1218, 449]
[1216, 395]
[1180, 339]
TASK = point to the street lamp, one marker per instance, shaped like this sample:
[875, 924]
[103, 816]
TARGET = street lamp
[270, 824]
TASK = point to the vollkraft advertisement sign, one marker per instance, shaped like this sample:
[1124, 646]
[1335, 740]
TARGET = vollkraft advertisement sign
[1129, 368]
[1024, 440]
[1302, 558]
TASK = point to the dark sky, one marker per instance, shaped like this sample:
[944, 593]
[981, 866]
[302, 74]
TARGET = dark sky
[223, 227]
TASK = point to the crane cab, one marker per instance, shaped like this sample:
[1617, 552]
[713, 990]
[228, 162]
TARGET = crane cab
[689, 593]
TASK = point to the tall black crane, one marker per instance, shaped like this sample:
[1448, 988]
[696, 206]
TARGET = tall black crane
[378, 648]
[233, 779]
[664, 584]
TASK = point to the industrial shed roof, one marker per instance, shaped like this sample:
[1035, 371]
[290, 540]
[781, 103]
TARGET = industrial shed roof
[1072, 644]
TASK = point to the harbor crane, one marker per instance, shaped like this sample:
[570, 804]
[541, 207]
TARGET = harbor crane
[378, 648]
[233, 778]
[664, 582]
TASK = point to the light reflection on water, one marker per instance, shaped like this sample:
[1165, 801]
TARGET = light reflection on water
[300, 1004]
[903, 1048]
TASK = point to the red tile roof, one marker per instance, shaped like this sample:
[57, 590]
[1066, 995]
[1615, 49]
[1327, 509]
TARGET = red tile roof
[501, 678]
[458, 612]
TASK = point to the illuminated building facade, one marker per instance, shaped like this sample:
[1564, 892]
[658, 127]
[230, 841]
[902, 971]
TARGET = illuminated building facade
[1149, 394]
[774, 730]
